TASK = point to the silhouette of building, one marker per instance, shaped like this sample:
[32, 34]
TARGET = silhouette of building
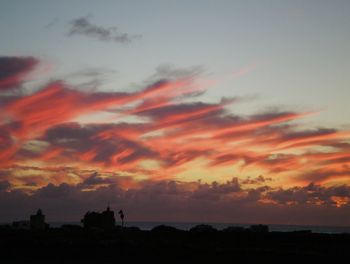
[204, 229]
[37, 221]
[104, 220]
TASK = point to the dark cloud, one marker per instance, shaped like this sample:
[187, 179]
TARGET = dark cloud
[325, 173]
[258, 180]
[163, 133]
[13, 70]
[90, 78]
[7, 145]
[311, 194]
[309, 133]
[183, 111]
[4, 185]
[226, 159]
[52, 23]
[179, 201]
[171, 72]
[82, 26]
[5, 137]
[173, 158]
[95, 179]
[216, 191]
[78, 139]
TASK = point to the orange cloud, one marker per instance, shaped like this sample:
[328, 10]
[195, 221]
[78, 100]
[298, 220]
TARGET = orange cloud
[170, 130]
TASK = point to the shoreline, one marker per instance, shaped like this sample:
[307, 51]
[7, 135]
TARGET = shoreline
[149, 225]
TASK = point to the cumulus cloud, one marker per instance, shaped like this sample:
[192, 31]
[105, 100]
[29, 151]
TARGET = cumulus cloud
[312, 194]
[179, 201]
[83, 26]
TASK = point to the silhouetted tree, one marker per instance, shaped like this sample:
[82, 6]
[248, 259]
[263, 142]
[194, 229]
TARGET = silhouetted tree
[121, 214]
[104, 220]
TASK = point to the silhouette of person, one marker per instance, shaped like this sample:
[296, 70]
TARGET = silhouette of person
[121, 214]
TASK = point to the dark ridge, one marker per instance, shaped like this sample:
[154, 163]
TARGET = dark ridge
[75, 244]
[101, 241]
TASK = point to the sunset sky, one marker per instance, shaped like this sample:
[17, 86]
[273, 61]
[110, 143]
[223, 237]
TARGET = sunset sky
[204, 111]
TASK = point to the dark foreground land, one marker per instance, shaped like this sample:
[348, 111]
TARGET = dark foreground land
[73, 244]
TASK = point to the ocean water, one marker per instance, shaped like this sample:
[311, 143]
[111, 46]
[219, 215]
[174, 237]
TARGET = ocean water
[220, 226]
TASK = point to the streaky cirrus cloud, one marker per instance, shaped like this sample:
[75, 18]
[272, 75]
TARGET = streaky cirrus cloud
[83, 26]
[164, 136]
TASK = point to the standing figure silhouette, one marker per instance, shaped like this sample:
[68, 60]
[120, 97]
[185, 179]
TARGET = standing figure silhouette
[121, 214]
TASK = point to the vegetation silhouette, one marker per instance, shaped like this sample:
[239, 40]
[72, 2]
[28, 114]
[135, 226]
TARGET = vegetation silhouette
[121, 215]
[104, 220]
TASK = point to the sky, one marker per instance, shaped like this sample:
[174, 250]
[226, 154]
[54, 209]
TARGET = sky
[189, 111]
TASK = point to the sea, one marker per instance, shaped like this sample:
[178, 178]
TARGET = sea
[220, 226]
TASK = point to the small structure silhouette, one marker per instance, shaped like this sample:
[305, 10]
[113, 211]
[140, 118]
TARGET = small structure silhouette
[259, 228]
[121, 215]
[104, 220]
[23, 224]
[37, 221]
